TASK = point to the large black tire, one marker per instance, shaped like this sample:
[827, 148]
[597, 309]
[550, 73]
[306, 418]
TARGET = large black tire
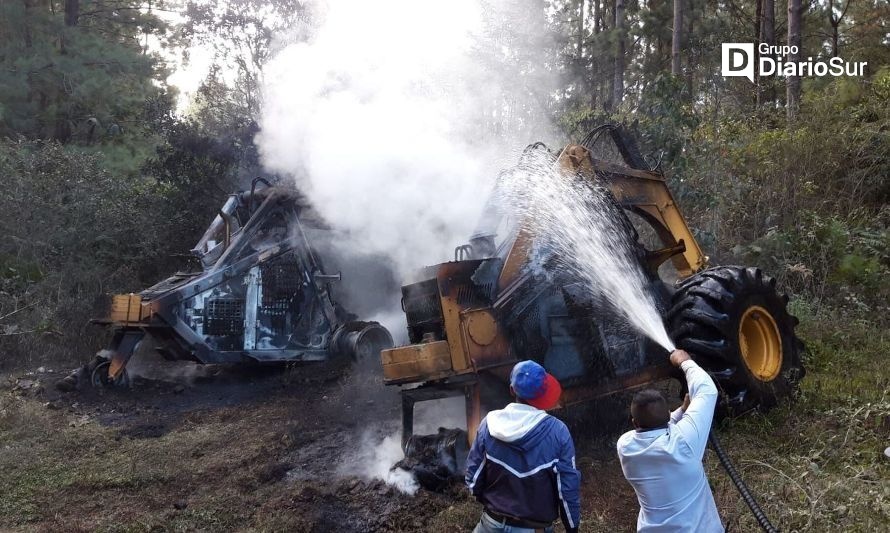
[718, 315]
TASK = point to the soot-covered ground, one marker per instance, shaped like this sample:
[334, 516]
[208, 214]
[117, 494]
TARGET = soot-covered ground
[308, 449]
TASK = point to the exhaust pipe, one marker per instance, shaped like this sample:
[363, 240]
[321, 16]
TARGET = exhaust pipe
[362, 341]
[250, 201]
[227, 218]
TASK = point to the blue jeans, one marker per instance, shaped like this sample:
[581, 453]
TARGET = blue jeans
[488, 524]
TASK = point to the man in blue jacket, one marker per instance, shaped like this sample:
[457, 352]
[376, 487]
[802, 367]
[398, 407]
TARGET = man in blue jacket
[662, 457]
[522, 464]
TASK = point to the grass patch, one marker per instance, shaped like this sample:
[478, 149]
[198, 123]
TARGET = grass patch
[817, 464]
[53, 464]
[462, 516]
[220, 517]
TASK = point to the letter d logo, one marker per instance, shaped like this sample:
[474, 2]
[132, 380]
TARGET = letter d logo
[738, 60]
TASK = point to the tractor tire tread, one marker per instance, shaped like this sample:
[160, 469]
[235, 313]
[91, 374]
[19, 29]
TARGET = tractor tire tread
[703, 319]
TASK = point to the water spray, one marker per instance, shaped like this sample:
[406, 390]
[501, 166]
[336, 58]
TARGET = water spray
[578, 220]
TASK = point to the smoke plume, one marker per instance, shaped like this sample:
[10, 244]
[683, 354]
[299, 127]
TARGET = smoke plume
[395, 115]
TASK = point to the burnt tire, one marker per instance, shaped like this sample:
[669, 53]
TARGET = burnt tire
[99, 377]
[736, 325]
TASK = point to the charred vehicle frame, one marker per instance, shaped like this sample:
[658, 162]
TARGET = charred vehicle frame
[262, 295]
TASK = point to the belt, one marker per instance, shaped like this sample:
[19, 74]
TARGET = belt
[513, 521]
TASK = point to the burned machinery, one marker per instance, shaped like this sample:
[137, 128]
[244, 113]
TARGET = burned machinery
[262, 295]
[471, 319]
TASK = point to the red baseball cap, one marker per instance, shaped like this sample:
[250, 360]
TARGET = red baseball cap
[534, 385]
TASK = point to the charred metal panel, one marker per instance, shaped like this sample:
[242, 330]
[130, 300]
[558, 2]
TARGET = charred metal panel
[423, 310]
[263, 294]
[224, 316]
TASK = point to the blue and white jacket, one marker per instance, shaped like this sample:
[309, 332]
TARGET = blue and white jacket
[522, 464]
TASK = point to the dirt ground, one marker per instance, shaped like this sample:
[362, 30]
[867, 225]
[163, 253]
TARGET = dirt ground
[298, 449]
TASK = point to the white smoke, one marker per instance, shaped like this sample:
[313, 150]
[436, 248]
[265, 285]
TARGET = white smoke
[375, 458]
[431, 415]
[395, 115]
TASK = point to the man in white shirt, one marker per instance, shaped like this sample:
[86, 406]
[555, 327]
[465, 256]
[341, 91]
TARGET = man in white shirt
[662, 457]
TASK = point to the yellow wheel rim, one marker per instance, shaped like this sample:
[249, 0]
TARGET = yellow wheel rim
[760, 343]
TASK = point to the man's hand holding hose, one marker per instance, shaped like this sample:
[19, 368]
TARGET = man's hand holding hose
[696, 413]
[678, 356]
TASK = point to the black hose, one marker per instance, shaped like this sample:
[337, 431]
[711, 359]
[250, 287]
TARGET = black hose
[759, 515]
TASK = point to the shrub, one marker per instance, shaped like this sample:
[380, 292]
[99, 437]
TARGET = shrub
[72, 233]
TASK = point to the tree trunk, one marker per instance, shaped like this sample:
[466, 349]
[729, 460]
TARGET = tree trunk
[660, 46]
[758, 15]
[792, 83]
[26, 30]
[72, 12]
[768, 30]
[592, 82]
[581, 29]
[596, 13]
[835, 23]
[768, 36]
[618, 87]
[677, 36]
[690, 54]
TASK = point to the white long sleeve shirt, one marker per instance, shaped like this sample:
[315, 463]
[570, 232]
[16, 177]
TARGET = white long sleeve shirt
[664, 466]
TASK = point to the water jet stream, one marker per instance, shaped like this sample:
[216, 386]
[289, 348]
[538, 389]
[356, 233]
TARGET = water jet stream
[579, 231]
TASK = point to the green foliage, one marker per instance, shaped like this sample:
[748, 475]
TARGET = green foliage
[192, 173]
[240, 36]
[57, 75]
[664, 120]
[72, 231]
[86, 232]
[844, 259]
[881, 84]
[806, 202]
